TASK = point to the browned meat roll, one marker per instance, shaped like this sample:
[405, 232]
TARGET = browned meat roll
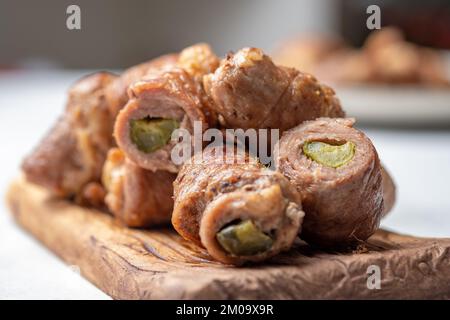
[162, 103]
[116, 93]
[239, 211]
[250, 91]
[73, 152]
[137, 197]
[338, 174]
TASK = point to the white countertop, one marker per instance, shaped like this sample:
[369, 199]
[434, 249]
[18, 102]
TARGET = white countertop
[419, 161]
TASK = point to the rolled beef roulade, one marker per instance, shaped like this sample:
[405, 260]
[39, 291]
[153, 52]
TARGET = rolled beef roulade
[238, 210]
[250, 91]
[160, 104]
[389, 191]
[72, 154]
[338, 174]
[135, 196]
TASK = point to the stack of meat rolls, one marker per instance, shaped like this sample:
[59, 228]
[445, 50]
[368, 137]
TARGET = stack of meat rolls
[69, 160]
[113, 148]
[237, 209]
[336, 170]
[138, 177]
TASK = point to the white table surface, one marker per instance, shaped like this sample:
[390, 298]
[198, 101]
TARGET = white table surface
[30, 102]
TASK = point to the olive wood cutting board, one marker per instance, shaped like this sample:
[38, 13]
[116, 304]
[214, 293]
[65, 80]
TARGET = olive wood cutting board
[158, 264]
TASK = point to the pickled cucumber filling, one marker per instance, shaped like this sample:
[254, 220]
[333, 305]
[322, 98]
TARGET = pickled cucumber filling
[244, 239]
[151, 134]
[329, 155]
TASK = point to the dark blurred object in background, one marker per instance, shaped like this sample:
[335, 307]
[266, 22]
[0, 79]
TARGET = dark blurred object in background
[425, 23]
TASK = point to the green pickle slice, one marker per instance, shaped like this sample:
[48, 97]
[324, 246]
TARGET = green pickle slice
[150, 134]
[244, 239]
[329, 155]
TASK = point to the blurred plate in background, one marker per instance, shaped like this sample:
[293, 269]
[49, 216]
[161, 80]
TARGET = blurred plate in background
[408, 105]
[404, 105]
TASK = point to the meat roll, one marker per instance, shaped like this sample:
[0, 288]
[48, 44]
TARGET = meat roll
[238, 210]
[389, 192]
[137, 197]
[73, 152]
[338, 174]
[162, 103]
[116, 93]
[250, 91]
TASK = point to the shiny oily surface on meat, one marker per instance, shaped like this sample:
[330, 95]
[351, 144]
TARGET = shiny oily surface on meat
[329, 155]
[150, 134]
[244, 239]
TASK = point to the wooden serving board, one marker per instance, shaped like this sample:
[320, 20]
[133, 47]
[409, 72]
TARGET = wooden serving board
[158, 264]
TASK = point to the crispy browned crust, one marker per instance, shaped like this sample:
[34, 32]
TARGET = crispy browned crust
[342, 205]
[116, 93]
[210, 193]
[250, 91]
[73, 152]
[135, 196]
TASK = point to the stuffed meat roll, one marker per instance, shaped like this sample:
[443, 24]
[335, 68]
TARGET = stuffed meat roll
[137, 197]
[250, 91]
[338, 174]
[238, 210]
[162, 103]
[73, 152]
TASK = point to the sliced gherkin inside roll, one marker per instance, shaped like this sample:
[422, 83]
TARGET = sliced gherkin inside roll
[151, 134]
[244, 239]
[329, 155]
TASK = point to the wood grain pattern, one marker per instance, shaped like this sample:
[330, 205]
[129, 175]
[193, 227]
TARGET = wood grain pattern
[158, 264]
